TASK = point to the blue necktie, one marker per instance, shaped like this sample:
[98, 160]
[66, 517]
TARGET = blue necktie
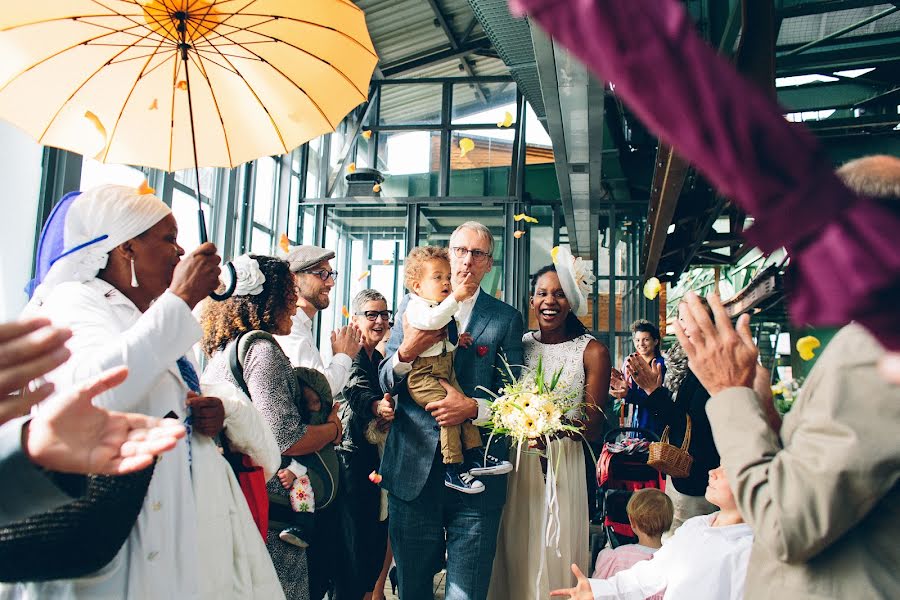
[190, 378]
[452, 332]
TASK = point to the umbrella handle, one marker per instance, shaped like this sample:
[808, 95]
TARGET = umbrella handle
[228, 292]
[203, 239]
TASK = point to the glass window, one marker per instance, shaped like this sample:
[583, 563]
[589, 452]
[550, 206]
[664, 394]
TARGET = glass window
[408, 104]
[485, 103]
[412, 160]
[369, 242]
[438, 221]
[264, 190]
[293, 208]
[313, 168]
[260, 241]
[207, 180]
[184, 207]
[95, 173]
[480, 161]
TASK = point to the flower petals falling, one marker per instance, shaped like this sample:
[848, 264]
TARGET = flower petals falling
[652, 288]
[806, 345]
[466, 145]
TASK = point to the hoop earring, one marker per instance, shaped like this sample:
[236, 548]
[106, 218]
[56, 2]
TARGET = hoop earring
[134, 281]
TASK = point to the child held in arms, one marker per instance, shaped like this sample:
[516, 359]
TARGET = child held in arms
[650, 513]
[433, 305]
[706, 559]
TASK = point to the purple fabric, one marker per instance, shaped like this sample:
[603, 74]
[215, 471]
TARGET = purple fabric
[845, 261]
[52, 243]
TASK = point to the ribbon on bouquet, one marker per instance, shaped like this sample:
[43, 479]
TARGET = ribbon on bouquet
[550, 515]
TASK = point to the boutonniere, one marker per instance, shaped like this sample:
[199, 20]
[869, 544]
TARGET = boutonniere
[481, 350]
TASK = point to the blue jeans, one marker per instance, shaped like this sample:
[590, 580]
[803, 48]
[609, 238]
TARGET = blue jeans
[417, 530]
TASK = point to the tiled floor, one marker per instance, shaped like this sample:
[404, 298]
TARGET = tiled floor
[438, 588]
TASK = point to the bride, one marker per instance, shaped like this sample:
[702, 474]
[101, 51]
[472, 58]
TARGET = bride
[525, 568]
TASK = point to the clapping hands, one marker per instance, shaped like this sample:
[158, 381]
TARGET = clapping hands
[647, 376]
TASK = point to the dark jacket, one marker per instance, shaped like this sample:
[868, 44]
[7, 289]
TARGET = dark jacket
[690, 399]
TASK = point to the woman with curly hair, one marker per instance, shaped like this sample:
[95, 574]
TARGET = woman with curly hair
[265, 299]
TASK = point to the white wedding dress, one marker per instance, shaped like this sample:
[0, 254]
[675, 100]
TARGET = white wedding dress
[525, 567]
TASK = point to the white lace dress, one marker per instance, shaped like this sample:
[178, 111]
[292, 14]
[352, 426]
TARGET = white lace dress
[521, 551]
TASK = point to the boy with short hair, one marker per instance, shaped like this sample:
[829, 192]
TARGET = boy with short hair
[650, 513]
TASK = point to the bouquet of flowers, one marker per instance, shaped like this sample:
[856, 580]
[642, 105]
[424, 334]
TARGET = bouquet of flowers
[532, 408]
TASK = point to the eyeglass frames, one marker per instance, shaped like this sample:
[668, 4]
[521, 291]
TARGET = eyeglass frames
[373, 315]
[477, 255]
[322, 274]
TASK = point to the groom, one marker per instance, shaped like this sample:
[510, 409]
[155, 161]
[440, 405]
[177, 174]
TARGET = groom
[423, 512]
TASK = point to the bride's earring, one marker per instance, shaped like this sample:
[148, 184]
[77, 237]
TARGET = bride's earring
[134, 281]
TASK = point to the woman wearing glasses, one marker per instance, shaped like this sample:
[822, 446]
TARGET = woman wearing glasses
[364, 435]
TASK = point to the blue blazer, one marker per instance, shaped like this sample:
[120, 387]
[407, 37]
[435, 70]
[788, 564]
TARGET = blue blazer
[414, 439]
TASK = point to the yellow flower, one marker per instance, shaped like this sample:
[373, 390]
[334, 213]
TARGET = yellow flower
[507, 120]
[351, 168]
[806, 345]
[366, 134]
[652, 288]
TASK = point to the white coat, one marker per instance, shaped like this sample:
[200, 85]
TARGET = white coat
[160, 558]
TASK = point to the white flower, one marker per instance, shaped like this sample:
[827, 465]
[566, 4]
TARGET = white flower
[583, 277]
[250, 278]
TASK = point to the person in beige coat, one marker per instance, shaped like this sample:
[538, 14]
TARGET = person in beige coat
[821, 492]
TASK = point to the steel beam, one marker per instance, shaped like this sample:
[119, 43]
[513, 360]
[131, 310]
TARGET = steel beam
[455, 45]
[800, 8]
[432, 56]
[843, 31]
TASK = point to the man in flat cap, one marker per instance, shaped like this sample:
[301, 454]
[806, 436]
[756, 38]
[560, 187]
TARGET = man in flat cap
[312, 270]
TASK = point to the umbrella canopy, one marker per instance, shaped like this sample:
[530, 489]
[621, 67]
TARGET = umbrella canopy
[108, 79]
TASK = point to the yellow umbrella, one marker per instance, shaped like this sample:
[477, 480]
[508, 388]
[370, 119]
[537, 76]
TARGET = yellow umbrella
[173, 84]
[110, 79]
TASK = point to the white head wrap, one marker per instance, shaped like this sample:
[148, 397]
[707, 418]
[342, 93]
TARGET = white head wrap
[116, 211]
[575, 277]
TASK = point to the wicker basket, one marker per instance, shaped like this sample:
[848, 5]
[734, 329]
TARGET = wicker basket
[669, 459]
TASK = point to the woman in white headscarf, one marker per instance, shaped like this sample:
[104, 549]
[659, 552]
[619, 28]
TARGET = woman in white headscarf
[110, 268]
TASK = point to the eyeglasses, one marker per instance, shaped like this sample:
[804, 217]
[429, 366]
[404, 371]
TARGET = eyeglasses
[477, 255]
[373, 315]
[323, 274]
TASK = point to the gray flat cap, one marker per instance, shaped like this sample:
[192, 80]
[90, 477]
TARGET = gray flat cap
[304, 257]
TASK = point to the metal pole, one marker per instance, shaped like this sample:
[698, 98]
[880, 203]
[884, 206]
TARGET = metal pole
[841, 32]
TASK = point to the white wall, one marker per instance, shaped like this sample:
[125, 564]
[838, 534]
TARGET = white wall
[20, 176]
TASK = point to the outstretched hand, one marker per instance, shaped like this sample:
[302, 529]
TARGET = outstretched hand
[581, 591]
[71, 435]
[29, 349]
[720, 355]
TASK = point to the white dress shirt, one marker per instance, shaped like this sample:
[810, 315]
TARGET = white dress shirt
[300, 347]
[699, 562]
[463, 316]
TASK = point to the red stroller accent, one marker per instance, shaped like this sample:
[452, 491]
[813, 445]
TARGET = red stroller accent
[621, 469]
